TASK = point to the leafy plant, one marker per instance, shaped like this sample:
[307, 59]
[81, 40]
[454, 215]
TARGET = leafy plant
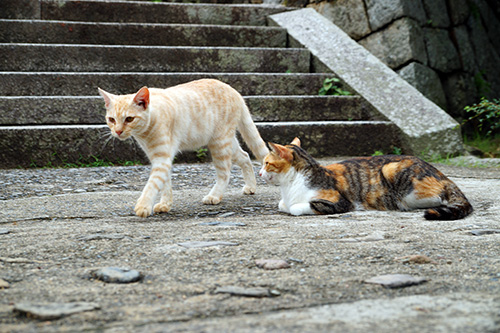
[201, 154]
[332, 86]
[395, 151]
[485, 116]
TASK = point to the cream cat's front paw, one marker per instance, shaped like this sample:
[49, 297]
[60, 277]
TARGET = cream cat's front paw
[162, 207]
[249, 189]
[142, 211]
[211, 200]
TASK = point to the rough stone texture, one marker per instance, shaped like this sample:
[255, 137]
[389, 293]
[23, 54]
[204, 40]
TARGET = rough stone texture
[322, 291]
[383, 12]
[348, 15]
[491, 23]
[119, 58]
[19, 9]
[426, 81]
[437, 13]
[67, 32]
[149, 12]
[460, 90]
[425, 127]
[465, 50]
[399, 44]
[442, 53]
[459, 11]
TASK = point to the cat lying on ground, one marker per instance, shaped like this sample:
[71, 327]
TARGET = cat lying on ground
[186, 117]
[382, 182]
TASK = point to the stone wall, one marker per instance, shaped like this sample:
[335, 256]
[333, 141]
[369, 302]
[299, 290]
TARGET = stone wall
[447, 49]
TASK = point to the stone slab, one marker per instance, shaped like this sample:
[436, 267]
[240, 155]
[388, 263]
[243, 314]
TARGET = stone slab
[425, 128]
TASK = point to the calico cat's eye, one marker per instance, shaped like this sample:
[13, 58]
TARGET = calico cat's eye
[129, 119]
[111, 120]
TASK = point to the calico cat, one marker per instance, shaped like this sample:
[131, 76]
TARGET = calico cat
[186, 117]
[382, 182]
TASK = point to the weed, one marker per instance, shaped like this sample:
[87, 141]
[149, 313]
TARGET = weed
[485, 116]
[201, 154]
[332, 86]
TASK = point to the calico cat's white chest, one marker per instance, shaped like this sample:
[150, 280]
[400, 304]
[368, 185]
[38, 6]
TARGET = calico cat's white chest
[295, 191]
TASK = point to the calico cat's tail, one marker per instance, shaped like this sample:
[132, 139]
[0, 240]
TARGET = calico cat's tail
[251, 135]
[456, 207]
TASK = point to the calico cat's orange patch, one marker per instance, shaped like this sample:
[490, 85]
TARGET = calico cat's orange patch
[339, 171]
[390, 170]
[273, 163]
[329, 195]
[428, 187]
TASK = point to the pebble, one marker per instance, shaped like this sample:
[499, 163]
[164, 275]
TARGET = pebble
[416, 259]
[100, 236]
[4, 284]
[481, 232]
[224, 224]
[227, 214]
[196, 244]
[50, 311]
[248, 292]
[4, 231]
[396, 280]
[271, 264]
[116, 275]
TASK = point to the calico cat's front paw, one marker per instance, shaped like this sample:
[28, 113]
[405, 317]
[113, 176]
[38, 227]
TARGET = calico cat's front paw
[211, 200]
[142, 211]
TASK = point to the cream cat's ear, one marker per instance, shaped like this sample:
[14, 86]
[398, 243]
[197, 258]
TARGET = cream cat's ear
[282, 151]
[142, 98]
[296, 142]
[108, 98]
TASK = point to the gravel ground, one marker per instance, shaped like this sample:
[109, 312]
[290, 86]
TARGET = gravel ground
[199, 264]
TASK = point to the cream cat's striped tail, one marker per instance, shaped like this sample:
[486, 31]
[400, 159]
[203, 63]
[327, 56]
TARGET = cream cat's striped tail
[251, 135]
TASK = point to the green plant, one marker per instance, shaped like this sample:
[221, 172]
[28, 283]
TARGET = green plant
[332, 86]
[201, 154]
[485, 116]
[395, 151]
[482, 85]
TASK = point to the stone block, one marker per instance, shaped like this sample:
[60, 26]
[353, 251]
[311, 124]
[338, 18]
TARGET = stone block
[491, 23]
[399, 44]
[459, 11]
[465, 50]
[437, 13]
[424, 127]
[383, 12]
[426, 81]
[443, 55]
[461, 91]
[348, 15]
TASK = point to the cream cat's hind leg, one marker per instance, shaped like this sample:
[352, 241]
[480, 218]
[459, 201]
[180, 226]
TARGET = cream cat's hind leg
[222, 155]
[241, 159]
[166, 200]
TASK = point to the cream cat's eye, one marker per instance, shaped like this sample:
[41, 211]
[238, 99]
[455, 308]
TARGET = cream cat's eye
[111, 120]
[129, 119]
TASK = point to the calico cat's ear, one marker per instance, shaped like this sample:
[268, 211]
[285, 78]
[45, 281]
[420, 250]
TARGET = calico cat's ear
[142, 98]
[107, 97]
[282, 151]
[296, 142]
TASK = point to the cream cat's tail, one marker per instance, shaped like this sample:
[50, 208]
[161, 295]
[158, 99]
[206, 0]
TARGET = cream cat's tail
[251, 135]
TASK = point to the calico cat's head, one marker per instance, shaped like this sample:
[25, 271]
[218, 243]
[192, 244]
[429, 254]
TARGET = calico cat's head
[280, 160]
[127, 115]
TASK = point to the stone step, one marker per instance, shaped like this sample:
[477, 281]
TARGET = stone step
[66, 110]
[58, 145]
[154, 12]
[69, 32]
[85, 84]
[113, 58]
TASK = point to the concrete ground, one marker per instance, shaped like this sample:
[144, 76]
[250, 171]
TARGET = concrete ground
[198, 263]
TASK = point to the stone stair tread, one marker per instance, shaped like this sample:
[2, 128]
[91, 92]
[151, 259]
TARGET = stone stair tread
[164, 12]
[112, 58]
[53, 110]
[86, 83]
[69, 32]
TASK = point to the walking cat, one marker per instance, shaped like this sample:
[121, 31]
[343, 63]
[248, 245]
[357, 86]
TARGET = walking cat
[382, 182]
[186, 117]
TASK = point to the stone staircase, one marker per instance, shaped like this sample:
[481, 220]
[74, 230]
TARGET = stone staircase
[51, 66]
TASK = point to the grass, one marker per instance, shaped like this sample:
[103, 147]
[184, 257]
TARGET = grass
[90, 162]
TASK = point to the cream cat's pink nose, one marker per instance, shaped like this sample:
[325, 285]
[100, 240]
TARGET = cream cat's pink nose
[118, 133]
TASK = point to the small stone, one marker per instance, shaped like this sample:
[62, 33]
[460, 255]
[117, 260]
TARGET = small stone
[396, 280]
[53, 310]
[271, 264]
[248, 292]
[416, 259]
[4, 231]
[227, 214]
[191, 245]
[224, 224]
[4, 284]
[481, 232]
[100, 236]
[116, 275]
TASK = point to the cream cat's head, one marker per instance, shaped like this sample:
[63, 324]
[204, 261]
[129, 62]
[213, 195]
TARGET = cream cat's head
[278, 162]
[127, 115]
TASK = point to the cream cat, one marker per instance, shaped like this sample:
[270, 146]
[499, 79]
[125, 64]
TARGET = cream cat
[186, 117]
